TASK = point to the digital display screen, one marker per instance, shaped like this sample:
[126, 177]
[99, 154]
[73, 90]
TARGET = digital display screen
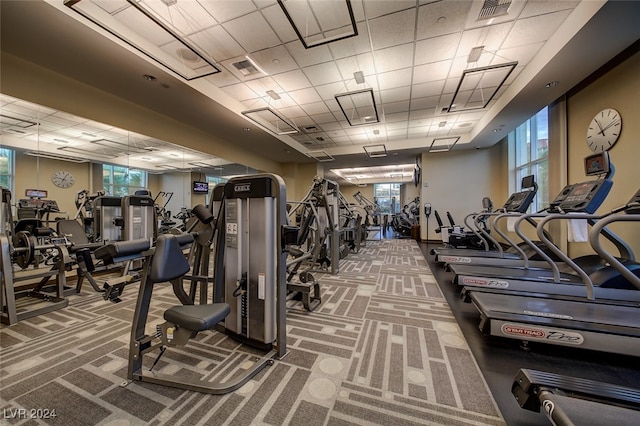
[596, 164]
[200, 187]
[527, 181]
[582, 189]
[35, 193]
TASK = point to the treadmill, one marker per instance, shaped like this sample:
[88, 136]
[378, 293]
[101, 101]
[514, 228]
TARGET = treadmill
[518, 202]
[585, 198]
[571, 401]
[574, 323]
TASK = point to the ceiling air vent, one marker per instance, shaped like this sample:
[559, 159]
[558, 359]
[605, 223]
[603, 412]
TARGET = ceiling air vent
[246, 68]
[310, 129]
[492, 8]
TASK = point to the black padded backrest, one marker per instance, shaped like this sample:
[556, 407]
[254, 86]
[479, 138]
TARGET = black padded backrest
[72, 230]
[450, 219]
[168, 262]
[438, 219]
[28, 225]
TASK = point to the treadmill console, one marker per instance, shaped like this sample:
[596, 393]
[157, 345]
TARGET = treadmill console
[585, 197]
[519, 202]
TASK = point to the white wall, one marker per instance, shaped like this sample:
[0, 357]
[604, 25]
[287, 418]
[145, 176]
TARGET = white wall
[457, 181]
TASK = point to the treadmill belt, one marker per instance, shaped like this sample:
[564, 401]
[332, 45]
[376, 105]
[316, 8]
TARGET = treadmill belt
[590, 315]
[545, 275]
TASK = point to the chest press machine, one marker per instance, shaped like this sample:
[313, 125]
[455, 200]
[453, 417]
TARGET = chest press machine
[250, 284]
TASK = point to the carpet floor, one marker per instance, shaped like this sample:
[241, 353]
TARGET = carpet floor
[382, 348]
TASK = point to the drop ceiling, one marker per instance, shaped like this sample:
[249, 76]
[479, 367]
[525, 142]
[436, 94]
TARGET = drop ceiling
[412, 55]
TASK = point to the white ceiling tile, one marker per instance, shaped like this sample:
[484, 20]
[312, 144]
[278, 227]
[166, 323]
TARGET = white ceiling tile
[252, 32]
[431, 72]
[223, 78]
[225, 10]
[437, 48]
[274, 60]
[333, 105]
[306, 57]
[315, 108]
[542, 7]
[374, 9]
[395, 107]
[323, 118]
[440, 18]
[353, 45]
[417, 131]
[400, 117]
[522, 54]
[394, 58]
[240, 92]
[393, 79]
[328, 91]
[292, 80]
[424, 103]
[399, 125]
[332, 128]
[364, 63]
[261, 85]
[535, 29]
[491, 37]
[353, 131]
[323, 73]
[305, 96]
[394, 29]
[217, 43]
[341, 139]
[279, 23]
[395, 95]
[422, 90]
[421, 114]
[293, 112]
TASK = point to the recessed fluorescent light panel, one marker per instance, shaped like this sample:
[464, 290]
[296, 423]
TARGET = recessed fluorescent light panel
[55, 156]
[359, 107]
[181, 35]
[321, 156]
[8, 121]
[443, 144]
[271, 120]
[320, 22]
[478, 86]
[375, 151]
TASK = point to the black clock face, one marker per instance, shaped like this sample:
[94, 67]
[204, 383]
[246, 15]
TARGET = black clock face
[604, 130]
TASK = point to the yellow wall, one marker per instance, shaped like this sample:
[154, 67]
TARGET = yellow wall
[298, 179]
[619, 89]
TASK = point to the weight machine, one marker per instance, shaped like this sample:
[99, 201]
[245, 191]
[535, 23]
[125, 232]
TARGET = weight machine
[250, 289]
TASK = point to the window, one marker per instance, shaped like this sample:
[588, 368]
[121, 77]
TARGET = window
[6, 168]
[387, 196]
[531, 143]
[120, 181]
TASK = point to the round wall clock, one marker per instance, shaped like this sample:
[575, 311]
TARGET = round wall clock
[604, 130]
[62, 179]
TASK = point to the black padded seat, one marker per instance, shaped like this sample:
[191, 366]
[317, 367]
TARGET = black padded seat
[197, 317]
[121, 250]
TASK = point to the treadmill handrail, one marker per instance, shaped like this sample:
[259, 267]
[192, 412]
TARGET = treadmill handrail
[528, 217]
[594, 240]
[562, 255]
[484, 232]
[512, 243]
[484, 241]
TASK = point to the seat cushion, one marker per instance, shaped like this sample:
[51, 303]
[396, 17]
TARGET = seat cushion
[197, 317]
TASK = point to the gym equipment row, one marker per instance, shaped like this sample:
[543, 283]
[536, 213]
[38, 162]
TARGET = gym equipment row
[40, 253]
[589, 302]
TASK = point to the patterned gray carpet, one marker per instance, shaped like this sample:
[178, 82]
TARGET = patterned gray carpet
[383, 348]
